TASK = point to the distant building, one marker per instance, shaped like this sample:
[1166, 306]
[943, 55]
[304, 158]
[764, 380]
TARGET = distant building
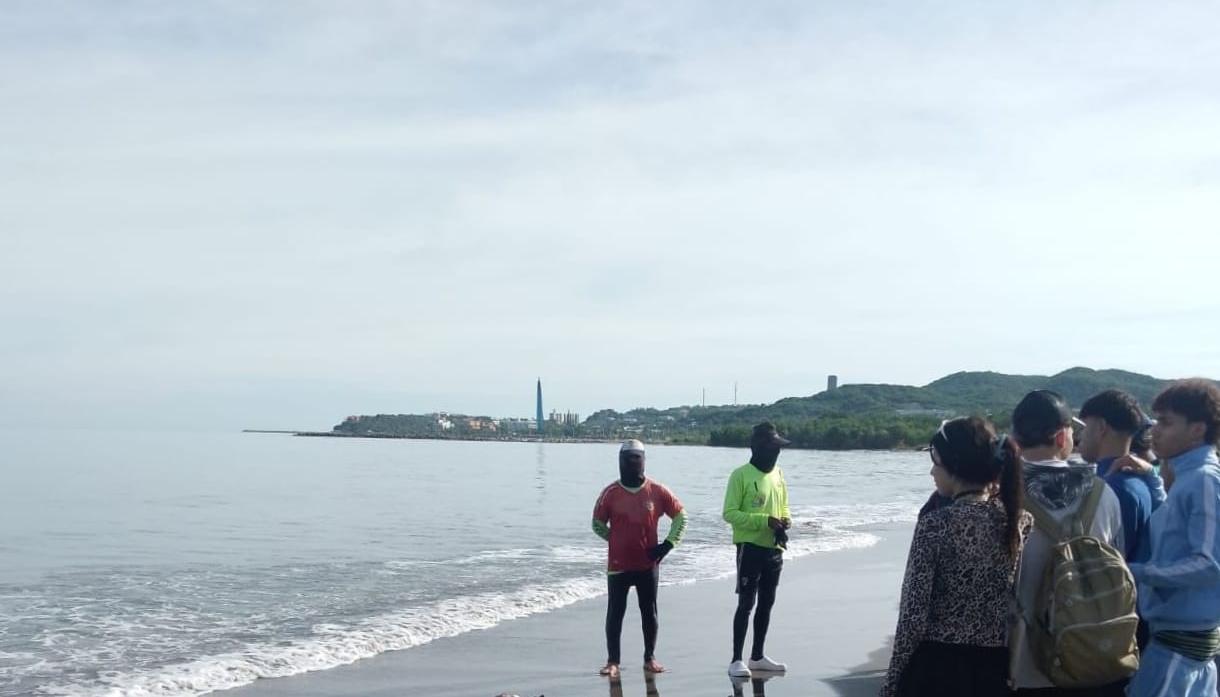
[566, 418]
[832, 383]
[539, 413]
[518, 424]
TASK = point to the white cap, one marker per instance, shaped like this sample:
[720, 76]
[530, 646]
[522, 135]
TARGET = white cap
[632, 446]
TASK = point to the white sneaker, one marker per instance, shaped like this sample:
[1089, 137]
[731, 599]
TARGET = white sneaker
[766, 665]
[738, 669]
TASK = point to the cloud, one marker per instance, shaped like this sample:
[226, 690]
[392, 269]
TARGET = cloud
[449, 199]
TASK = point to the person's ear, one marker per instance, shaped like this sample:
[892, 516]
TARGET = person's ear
[1196, 429]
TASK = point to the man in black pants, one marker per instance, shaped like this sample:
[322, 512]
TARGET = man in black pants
[756, 505]
[626, 516]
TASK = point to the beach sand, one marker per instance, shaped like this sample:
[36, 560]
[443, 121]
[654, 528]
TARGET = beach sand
[832, 624]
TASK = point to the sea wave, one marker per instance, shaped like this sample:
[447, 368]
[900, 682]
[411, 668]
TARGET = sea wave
[334, 645]
[328, 645]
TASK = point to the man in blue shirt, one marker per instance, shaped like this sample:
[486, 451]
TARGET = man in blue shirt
[1179, 585]
[1111, 420]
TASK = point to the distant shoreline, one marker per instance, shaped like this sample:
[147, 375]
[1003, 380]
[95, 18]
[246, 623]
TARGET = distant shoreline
[513, 439]
[391, 436]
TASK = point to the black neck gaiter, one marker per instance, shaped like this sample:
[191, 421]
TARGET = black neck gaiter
[764, 458]
[631, 474]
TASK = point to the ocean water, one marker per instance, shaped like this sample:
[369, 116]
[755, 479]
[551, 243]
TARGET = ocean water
[136, 564]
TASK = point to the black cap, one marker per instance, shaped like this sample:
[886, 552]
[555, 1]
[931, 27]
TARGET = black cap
[1039, 416]
[765, 434]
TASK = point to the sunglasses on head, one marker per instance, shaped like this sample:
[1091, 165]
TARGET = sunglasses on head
[941, 431]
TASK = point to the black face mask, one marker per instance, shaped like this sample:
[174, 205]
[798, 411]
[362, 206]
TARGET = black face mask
[631, 472]
[764, 457]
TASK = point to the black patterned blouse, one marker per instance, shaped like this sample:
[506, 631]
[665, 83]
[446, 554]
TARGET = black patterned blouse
[958, 587]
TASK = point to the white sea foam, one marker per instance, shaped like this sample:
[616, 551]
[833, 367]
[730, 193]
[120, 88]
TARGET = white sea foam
[334, 645]
[498, 555]
[819, 530]
[848, 515]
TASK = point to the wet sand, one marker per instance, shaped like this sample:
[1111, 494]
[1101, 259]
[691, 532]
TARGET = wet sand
[832, 623]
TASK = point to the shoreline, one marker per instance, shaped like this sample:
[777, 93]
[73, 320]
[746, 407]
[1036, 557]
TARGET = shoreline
[512, 439]
[391, 436]
[832, 621]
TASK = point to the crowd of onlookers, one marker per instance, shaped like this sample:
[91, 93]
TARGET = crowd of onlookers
[1078, 555]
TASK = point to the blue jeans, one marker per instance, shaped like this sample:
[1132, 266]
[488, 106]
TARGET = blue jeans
[1164, 673]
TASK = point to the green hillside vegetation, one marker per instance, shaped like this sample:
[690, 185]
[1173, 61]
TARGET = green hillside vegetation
[850, 417]
[406, 425]
[839, 432]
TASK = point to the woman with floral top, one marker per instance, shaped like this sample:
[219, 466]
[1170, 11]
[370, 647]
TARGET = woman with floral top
[958, 589]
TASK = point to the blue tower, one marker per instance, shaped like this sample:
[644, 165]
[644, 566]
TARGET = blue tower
[540, 406]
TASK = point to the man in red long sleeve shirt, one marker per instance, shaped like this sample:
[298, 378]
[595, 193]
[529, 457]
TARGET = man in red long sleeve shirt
[626, 515]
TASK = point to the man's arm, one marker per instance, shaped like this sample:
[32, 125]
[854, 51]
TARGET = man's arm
[677, 516]
[677, 528]
[784, 514]
[733, 514]
[671, 507]
[601, 517]
[601, 529]
[1147, 473]
[1199, 567]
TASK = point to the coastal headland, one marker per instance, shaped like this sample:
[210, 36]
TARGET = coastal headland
[846, 417]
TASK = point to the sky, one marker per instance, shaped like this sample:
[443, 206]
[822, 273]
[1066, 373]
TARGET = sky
[220, 215]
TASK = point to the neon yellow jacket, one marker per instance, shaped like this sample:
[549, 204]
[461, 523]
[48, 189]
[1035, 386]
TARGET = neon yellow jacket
[750, 498]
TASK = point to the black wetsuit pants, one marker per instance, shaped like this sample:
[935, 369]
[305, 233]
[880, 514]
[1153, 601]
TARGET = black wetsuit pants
[645, 583]
[758, 570]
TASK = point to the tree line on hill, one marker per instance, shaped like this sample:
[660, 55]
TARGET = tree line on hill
[854, 416]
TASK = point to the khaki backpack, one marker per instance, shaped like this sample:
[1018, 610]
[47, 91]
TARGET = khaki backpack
[1082, 631]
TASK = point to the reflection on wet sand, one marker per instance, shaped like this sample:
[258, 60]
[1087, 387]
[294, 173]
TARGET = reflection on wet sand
[757, 685]
[650, 686]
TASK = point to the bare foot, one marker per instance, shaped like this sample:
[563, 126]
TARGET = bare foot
[654, 667]
[610, 670]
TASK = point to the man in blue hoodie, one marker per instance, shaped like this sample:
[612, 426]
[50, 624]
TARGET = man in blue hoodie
[1179, 586]
[1112, 418]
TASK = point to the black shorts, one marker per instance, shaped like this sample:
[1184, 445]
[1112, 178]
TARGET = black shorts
[758, 567]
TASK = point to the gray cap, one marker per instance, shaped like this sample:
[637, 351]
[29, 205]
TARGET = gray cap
[632, 446]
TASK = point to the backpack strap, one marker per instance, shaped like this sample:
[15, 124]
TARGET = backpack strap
[1044, 520]
[1088, 509]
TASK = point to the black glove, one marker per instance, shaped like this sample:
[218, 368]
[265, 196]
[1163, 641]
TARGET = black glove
[658, 553]
[781, 538]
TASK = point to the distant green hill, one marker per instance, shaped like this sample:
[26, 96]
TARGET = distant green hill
[959, 393]
[896, 416]
[870, 415]
[852, 416]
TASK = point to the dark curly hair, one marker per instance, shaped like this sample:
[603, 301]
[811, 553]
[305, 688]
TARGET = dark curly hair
[1197, 400]
[1120, 410]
